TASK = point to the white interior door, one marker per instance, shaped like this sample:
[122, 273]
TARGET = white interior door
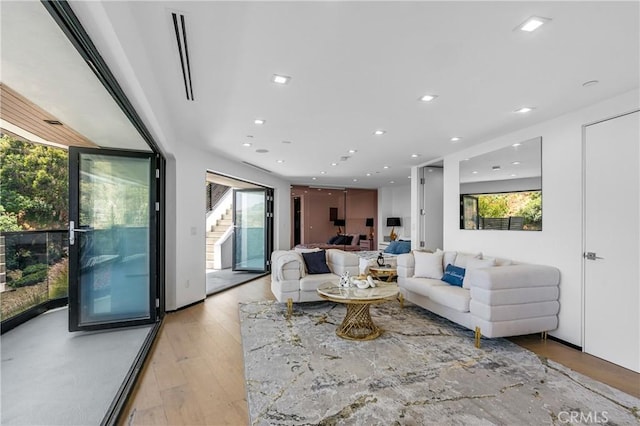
[612, 240]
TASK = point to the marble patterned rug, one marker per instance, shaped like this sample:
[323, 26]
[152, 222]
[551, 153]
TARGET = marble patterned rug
[422, 370]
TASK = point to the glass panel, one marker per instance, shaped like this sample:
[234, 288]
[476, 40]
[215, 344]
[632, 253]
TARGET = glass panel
[249, 236]
[470, 212]
[114, 211]
[507, 183]
[33, 269]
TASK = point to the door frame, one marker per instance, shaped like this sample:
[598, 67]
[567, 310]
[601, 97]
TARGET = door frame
[155, 254]
[268, 228]
[583, 277]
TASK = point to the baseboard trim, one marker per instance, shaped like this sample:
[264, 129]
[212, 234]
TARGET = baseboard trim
[571, 345]
[186, 306]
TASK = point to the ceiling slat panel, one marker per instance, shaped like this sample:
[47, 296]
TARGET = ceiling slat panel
[19, 111]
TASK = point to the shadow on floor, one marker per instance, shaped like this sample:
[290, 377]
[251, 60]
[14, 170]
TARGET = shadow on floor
[51, 376]
[222, 279]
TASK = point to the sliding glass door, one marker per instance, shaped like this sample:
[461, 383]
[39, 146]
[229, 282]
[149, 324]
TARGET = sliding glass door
[112, 233]
[253, 229]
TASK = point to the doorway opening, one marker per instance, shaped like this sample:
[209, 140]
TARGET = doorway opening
[239, 231]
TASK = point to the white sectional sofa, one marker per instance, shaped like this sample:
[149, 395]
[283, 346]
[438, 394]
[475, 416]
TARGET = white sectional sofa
[499, 298]
[290, 282]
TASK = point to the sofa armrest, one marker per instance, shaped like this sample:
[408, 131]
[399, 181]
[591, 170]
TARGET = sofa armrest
[406, 265]
[514, 276]
[286, 265]
[341, 261]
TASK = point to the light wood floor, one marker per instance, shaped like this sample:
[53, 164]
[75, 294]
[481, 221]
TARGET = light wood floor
[195, 374]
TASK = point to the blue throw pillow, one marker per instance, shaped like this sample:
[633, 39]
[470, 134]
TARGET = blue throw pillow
[453, 275]
[316, 262]
[398, 247]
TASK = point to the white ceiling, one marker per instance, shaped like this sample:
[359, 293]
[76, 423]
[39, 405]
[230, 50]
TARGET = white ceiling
[40, 63]
[361, 66]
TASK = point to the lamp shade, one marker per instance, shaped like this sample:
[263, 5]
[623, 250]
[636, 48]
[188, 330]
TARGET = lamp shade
[369, 221]
[393, 221]
[338, 222]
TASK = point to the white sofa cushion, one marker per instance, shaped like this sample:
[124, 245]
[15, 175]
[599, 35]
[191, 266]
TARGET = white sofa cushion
[513, 312]
[428, 265]
[513, 296]
[421, 285]
[462, 259]
[515, 276]
[312, 282]
[451, 296]
[475, 263]
[448, 257]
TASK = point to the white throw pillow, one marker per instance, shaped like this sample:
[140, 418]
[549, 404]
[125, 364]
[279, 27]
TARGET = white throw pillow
[428, 265]
[449, 258]
[463, 258]
[475, 263]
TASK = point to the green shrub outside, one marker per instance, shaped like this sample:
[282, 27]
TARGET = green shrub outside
[31, 275]
[59, 280]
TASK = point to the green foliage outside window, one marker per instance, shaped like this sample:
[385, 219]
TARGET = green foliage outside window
[527, 204]
[33, 186]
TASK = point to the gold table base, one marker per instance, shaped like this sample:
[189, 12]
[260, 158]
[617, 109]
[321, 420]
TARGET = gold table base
[357, 323]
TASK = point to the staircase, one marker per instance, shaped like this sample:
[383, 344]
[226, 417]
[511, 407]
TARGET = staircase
[213, 235]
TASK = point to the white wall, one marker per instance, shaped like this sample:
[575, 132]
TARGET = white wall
[188, 284]
[560, 242]
[394, 201]
[186, 166]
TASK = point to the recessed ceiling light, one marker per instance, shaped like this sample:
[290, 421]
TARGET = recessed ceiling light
[323, 173]
[385, 167]
[314, 178]
[428, 98]
[524, 110]
[379, 132]
[515, 163]
[334, 164]
[465, 159]
[246, 144]
[392, 181]
[368, 174]
[590, 83]
[353, 151]
[280, 161]
[532, 23]
[408, 177]
[259, 121]
[355, 180]
[475, 172]
[287, 142]
[513, 175]
[495, 168]
[262, 151]
[515, 145]
[280, 79]
[415, 155]
[455, 139]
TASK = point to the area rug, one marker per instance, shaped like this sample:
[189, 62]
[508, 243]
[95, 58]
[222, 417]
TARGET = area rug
[422, 370]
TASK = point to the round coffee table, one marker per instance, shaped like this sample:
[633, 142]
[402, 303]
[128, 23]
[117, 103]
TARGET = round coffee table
[380, 272]
[357, 323]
